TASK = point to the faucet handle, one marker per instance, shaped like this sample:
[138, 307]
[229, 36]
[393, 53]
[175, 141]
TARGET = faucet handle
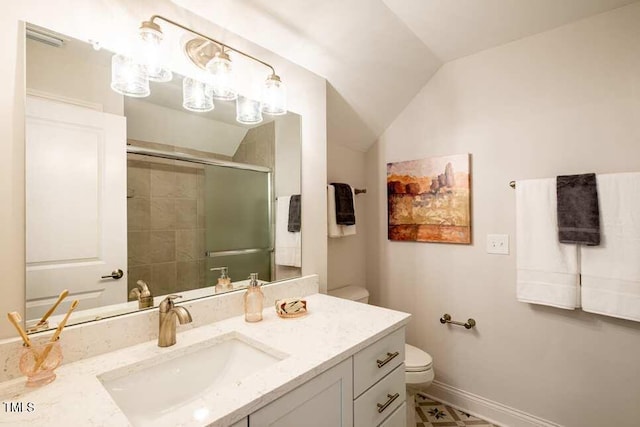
[167, 303]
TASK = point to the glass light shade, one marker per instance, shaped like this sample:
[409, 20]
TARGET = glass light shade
[274, 96]
[222, 79]
[149, 52]
[128, 77]
[196, 96]
[248, 111]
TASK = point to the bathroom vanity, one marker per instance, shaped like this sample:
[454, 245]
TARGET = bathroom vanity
[340, 365]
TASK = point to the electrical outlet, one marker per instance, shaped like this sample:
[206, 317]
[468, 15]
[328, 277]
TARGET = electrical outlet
[498, 244]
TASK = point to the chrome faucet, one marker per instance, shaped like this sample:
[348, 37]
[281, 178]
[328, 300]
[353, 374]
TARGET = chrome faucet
[169, 312]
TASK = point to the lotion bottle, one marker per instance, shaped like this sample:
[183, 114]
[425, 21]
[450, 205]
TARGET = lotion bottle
[253, 300]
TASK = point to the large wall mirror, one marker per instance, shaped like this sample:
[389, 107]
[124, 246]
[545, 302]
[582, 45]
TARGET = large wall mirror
[123, 191]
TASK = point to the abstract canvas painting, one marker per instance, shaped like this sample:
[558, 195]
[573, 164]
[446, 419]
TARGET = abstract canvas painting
[429, 200]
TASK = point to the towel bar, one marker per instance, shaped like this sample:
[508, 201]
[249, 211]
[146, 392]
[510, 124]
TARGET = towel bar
[446, 318]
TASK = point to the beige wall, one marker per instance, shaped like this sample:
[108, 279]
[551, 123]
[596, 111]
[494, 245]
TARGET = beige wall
[562, 102]
[346, 255]
[156, 123]
[258, 146]
[287, 156]
[73, 71]
[110, 21]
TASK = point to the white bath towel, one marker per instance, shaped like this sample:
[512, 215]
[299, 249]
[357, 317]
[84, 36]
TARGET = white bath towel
[288, 244]
[333, 228]
[547, 271]
[611, 271]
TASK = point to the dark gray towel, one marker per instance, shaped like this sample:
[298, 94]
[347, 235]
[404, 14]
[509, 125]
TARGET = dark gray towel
[295, 221]
[345, 213]
[578, 209]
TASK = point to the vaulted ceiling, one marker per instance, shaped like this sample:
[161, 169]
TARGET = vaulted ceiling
[377, 54]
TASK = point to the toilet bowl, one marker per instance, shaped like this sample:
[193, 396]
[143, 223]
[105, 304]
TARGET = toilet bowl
[418, 365]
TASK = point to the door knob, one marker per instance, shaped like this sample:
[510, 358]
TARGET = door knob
[115, 275]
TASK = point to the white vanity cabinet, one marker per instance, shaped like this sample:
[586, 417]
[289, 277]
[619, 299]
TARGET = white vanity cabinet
[323, 401]
[365, 390]
[379, 383]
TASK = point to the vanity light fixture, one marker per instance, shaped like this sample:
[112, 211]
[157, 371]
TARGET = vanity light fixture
[274, 97]
[222, 77]
[248, 111]
[206, 53]
[196, 96]
[149, 45]
[129, 77]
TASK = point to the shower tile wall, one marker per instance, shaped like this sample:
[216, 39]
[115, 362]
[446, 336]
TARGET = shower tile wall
[165, 210]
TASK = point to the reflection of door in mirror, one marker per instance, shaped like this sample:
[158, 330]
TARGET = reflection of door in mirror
[74, 179]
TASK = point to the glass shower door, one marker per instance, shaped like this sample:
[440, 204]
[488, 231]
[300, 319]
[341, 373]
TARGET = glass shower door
[238, 222]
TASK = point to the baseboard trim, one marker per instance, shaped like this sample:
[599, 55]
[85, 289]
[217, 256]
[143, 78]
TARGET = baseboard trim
[488, 410]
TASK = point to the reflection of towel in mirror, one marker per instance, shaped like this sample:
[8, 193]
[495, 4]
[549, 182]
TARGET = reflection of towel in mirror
[578, 212]
[345, 212]
[294, 214]
[333, 228]
[288, 245]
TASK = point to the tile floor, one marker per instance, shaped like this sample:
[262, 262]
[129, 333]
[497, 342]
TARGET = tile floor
[430, 413]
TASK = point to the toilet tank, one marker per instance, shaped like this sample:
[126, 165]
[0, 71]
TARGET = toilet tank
[354, 293]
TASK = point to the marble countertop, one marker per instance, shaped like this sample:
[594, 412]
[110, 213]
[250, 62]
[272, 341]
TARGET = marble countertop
[333, 330]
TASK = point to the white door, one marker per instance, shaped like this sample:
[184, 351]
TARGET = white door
[76, 207]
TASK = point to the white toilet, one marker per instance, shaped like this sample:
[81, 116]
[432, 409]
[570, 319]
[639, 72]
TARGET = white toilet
[417, 363]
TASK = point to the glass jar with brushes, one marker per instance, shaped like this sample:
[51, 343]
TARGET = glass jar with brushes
[39, 361]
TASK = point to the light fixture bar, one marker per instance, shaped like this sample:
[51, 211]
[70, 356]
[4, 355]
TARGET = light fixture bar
[154, 17]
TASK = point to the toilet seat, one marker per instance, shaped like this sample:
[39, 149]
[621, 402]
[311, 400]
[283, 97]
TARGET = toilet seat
[418, 366]
[416, 360]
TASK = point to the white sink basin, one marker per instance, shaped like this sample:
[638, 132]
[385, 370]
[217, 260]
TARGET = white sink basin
[148, 390]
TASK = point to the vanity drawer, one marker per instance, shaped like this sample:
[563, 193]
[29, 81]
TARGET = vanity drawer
[398, 418]
[377, 360]
[381, 400]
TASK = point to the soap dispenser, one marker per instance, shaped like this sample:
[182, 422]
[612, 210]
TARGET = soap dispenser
[253, 300]
[224, 281]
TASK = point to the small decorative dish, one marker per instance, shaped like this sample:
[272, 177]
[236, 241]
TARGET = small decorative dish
[293, 315]
[290, 308]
